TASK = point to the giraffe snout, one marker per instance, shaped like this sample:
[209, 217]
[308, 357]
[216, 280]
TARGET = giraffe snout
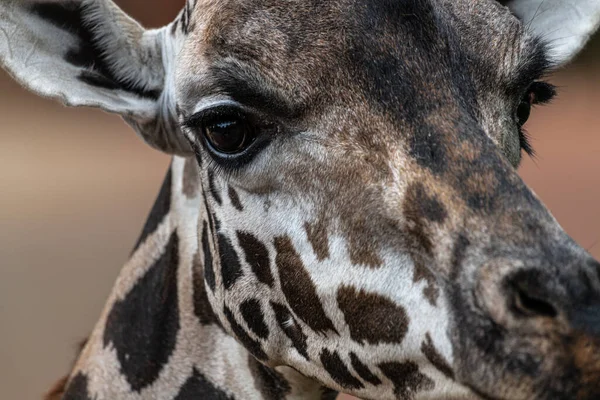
[533, 322]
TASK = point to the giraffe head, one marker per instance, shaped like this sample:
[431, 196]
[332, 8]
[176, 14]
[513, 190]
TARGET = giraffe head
[364, 222]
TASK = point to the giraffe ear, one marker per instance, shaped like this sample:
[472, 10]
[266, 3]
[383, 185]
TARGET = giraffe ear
[566, 25]
[90, 53]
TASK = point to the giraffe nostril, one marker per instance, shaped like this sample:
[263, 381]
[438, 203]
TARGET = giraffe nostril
[528, 297]
[528, 305]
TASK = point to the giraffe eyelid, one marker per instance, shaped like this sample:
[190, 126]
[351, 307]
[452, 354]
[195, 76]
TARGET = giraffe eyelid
[202, 107]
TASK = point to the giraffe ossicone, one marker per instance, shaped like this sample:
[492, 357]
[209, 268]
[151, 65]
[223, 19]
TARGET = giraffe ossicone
[342, 212]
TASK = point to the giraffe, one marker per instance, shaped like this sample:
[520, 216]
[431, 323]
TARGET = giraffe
[342, 211]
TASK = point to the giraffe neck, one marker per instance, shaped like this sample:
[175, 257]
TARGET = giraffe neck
[157, 336]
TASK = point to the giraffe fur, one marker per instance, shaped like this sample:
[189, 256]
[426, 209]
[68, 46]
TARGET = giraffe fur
[367, 233]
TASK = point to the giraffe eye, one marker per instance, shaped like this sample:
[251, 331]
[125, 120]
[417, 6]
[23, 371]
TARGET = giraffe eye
[226, 130]
[524, 111]
[229, 135]
[537, 93]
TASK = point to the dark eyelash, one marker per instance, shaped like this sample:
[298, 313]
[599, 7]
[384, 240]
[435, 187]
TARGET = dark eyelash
[210, 115]
[224, 168]
[525, 142]
[220, 170]
[543, 93]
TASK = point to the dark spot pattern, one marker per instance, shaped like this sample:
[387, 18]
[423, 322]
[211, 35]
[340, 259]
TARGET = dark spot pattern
[407, 379]
[435, 358]
[429, 207]
[317, 236]
[363, 251]
[191, 178]
[270, 383]
[363, 371]
[199, 387]
[420, 209]
[88, 53]
[298, 287]
[231, 269]
[235, 199]
[372, 318]
[257, 256]
[253, 346]
[209, 271]
[185, 20]
[143, 326]
[431, 291]
[417, 233]
[77, 388]
[253, 315]
[202, 308]
[292, 330]
[160, 209]
[216, 222]
[175, 26]
[429, 150]
[213, 189]
[338, 371]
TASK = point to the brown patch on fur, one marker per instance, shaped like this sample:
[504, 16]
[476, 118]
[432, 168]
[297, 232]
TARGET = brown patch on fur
[213, 189]
[257, 256]
[202, 308]
[431, 291]
[235, 199]
[417, 233]
[372, 318]
[363, 252]
[317, 236]
[298, 287]
[586, 355]
[191, 178]
[422, 209]
[481, 183]
[407, 378]
[337, 369]
[363, 371]
[292, 330]
[435, 358]
[468, 151]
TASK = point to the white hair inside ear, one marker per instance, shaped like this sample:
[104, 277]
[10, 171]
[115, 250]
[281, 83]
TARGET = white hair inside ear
[90, 53]
[565, 25]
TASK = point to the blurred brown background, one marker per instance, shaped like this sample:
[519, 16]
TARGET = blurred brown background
[76, 186]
